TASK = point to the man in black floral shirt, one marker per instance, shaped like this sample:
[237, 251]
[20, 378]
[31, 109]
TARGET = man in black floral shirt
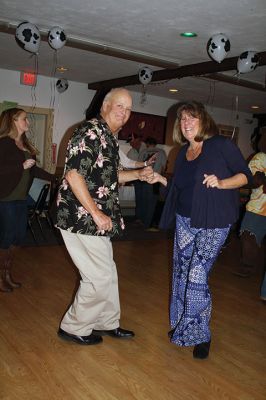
[89, 214]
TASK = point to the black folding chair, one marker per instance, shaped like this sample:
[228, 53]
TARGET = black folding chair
[40, 210]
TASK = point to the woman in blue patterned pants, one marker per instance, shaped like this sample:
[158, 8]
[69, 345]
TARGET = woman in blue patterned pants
[203, 202]
[195, 251]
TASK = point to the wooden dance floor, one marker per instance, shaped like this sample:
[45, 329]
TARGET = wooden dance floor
[37, 365]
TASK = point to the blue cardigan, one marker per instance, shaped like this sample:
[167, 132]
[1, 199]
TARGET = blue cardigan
[211, 207]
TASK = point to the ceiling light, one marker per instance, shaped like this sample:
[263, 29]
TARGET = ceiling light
[61, 69]
[254, 107]
[173, 90]
[188, 34]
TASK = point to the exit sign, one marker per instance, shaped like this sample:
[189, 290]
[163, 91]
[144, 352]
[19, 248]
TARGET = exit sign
[28, 78]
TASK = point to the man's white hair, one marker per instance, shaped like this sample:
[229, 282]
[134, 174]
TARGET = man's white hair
[113, 92]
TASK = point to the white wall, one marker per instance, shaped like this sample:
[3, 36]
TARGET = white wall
[155, 105]
[244, 121]
[70, 106]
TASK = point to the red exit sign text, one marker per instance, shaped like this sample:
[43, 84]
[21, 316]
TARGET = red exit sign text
[28, 78]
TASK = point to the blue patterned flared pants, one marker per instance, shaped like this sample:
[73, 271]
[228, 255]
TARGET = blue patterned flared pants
[195, 251]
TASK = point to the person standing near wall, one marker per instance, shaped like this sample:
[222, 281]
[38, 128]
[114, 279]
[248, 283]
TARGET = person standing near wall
[17, 170]
[128, 163]
[137, 145]
[148, 195]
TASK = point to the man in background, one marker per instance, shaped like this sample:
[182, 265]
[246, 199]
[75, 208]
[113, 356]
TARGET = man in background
[148, 195]
[137, 145]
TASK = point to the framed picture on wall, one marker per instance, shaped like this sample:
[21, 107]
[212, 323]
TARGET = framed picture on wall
[146, 124]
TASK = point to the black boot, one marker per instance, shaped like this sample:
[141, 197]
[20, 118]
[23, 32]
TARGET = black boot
[4, 286]
[201, 350]
[9, 280]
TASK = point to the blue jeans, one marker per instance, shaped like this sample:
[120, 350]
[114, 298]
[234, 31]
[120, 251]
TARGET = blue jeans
[255, 224]
[13, 223]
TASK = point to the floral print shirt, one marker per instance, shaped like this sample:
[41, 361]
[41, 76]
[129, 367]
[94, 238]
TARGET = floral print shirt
[257, 202]
[93, 151]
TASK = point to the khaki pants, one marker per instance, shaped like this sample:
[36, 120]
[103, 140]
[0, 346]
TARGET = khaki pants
[96, 304]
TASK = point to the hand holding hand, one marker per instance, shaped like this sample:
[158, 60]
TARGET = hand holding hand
[211, 181]
[145, 174]
[157, 178]
[29, 163]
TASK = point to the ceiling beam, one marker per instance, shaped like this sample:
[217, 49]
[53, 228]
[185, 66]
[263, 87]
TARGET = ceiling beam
[234, 80]
[101, 48]
[210, 69]
[204, 68]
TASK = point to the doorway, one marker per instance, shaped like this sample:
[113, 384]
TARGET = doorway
[41, 135]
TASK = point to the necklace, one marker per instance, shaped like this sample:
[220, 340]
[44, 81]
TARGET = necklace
[194, 153]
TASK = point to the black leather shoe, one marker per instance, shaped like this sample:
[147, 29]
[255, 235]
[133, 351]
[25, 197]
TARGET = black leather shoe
[201, 350]
[90, 339]
[116, 333]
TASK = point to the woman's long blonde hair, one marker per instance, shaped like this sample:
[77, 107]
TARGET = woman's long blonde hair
[8, 128]
[207, 125]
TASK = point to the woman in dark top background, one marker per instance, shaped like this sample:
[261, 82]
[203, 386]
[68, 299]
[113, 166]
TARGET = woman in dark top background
[203, 200]
[17, 170]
